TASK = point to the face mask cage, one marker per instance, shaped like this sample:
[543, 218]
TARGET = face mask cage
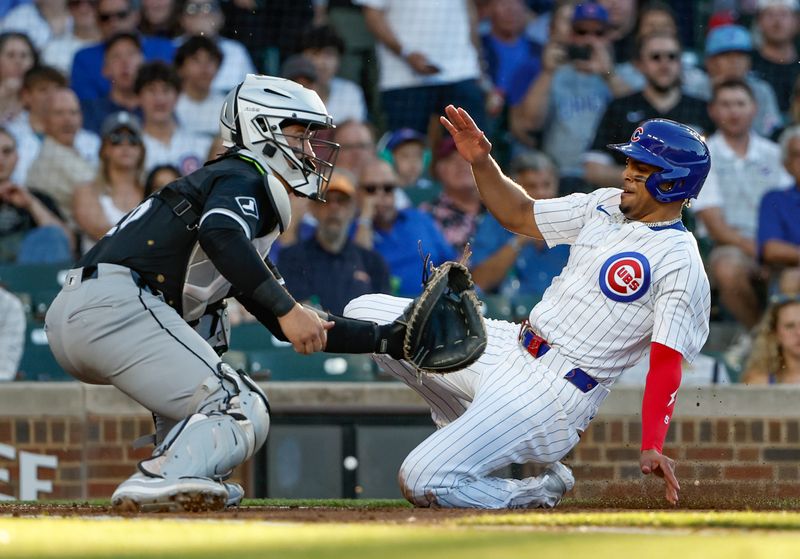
[312, 157]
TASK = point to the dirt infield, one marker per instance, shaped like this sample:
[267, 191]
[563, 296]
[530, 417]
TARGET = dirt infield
[400, 514]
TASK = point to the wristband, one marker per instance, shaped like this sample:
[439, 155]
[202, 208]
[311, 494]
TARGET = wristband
[273, 296]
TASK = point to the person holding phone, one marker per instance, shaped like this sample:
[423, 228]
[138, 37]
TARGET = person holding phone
[564, 104]
[422, 72]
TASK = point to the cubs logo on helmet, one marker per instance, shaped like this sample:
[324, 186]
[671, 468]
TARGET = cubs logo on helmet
[637, 134]
[625, 277]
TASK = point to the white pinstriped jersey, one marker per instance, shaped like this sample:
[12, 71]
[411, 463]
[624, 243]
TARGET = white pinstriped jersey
[625, 285]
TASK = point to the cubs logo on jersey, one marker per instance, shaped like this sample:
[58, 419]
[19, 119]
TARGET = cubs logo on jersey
[625, 277]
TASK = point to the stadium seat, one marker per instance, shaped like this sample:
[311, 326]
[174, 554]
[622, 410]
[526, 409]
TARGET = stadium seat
[37, 361]
[35, 284]
[287, 365]
[496, 306]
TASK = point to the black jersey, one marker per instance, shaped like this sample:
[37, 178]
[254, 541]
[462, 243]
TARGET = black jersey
[230, 193]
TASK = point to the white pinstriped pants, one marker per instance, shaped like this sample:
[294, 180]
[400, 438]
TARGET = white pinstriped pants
[506, 408]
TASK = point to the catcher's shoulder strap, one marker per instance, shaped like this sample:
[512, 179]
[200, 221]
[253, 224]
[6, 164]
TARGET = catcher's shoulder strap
[180, 205]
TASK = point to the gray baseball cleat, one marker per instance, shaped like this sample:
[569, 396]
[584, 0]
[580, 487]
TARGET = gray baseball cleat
[141, 493]
[235, 494]
[557, 480]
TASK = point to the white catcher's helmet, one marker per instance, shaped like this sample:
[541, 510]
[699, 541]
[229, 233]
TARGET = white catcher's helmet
[252, 116]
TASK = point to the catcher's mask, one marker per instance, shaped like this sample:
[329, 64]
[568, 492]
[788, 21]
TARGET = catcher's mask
[254, 116]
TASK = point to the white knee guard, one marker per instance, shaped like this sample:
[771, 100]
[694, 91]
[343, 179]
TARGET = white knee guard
[231, 423]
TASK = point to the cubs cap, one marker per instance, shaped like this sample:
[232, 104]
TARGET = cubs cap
[402, 136]
[728, 38]
[589, 11]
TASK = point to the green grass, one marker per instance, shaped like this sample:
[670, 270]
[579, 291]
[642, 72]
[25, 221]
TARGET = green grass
[643, 519]
[199, 539]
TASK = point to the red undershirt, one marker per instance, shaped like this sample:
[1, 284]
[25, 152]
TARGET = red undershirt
[660, 392]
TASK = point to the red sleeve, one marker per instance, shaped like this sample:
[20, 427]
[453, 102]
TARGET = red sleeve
[660, 392]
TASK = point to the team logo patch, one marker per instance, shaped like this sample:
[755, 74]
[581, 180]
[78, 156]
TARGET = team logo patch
[248, 205]
[625, 277]
[637, 134]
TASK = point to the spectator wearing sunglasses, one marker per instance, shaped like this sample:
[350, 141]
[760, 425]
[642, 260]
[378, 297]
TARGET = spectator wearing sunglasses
[41, 20]
[658, 58]
[397, 235]
[117, 188]
[330, 269]
[121, 62]
[113, 16]
[775, 358]
[60, 51]
[204, 17]
[566, 101]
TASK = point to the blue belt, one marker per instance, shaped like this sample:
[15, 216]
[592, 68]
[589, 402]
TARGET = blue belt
[537, 346]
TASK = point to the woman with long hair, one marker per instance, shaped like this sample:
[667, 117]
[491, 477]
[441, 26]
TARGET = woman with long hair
[118, 187]
[17, 56]
[775, 358]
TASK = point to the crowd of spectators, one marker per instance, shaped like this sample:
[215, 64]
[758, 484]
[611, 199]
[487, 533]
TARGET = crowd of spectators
[103, 102]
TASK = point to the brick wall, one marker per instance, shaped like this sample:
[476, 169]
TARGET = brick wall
[754, 453]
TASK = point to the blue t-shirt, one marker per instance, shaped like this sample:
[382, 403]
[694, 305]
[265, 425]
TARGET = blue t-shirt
[779, 217]
[332, 280]
[87, 78]
[400, 249]
[534, 268]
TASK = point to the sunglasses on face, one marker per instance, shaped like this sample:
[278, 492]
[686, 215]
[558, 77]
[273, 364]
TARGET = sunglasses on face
[199, 8]
[108, 16]
[591, 32]
[386, 188]
[659, 56]
[118, 138]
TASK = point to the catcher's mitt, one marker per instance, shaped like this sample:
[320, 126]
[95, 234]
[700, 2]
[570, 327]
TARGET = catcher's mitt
[445, 331]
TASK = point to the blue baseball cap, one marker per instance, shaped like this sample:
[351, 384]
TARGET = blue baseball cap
[728, 38]
[403, 135]
[589, 12]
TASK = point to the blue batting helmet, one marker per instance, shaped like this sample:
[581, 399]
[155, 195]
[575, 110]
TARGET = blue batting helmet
[677, 150]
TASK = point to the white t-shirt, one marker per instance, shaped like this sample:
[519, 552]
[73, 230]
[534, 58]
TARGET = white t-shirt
[625, 285]
[346, 101]
[199, 117]
[185, 150]
[26, 18]
[440, 29]
[736, 185]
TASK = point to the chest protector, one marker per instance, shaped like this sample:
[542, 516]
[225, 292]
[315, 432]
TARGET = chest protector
[204, 285]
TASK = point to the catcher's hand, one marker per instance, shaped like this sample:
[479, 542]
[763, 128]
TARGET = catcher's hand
[444, 328]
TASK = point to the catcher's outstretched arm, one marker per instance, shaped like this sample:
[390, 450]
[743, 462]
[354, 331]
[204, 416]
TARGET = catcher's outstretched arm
[507, 201]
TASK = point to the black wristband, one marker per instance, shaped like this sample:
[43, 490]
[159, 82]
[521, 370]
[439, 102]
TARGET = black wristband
[273, 296]
[350, 335]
